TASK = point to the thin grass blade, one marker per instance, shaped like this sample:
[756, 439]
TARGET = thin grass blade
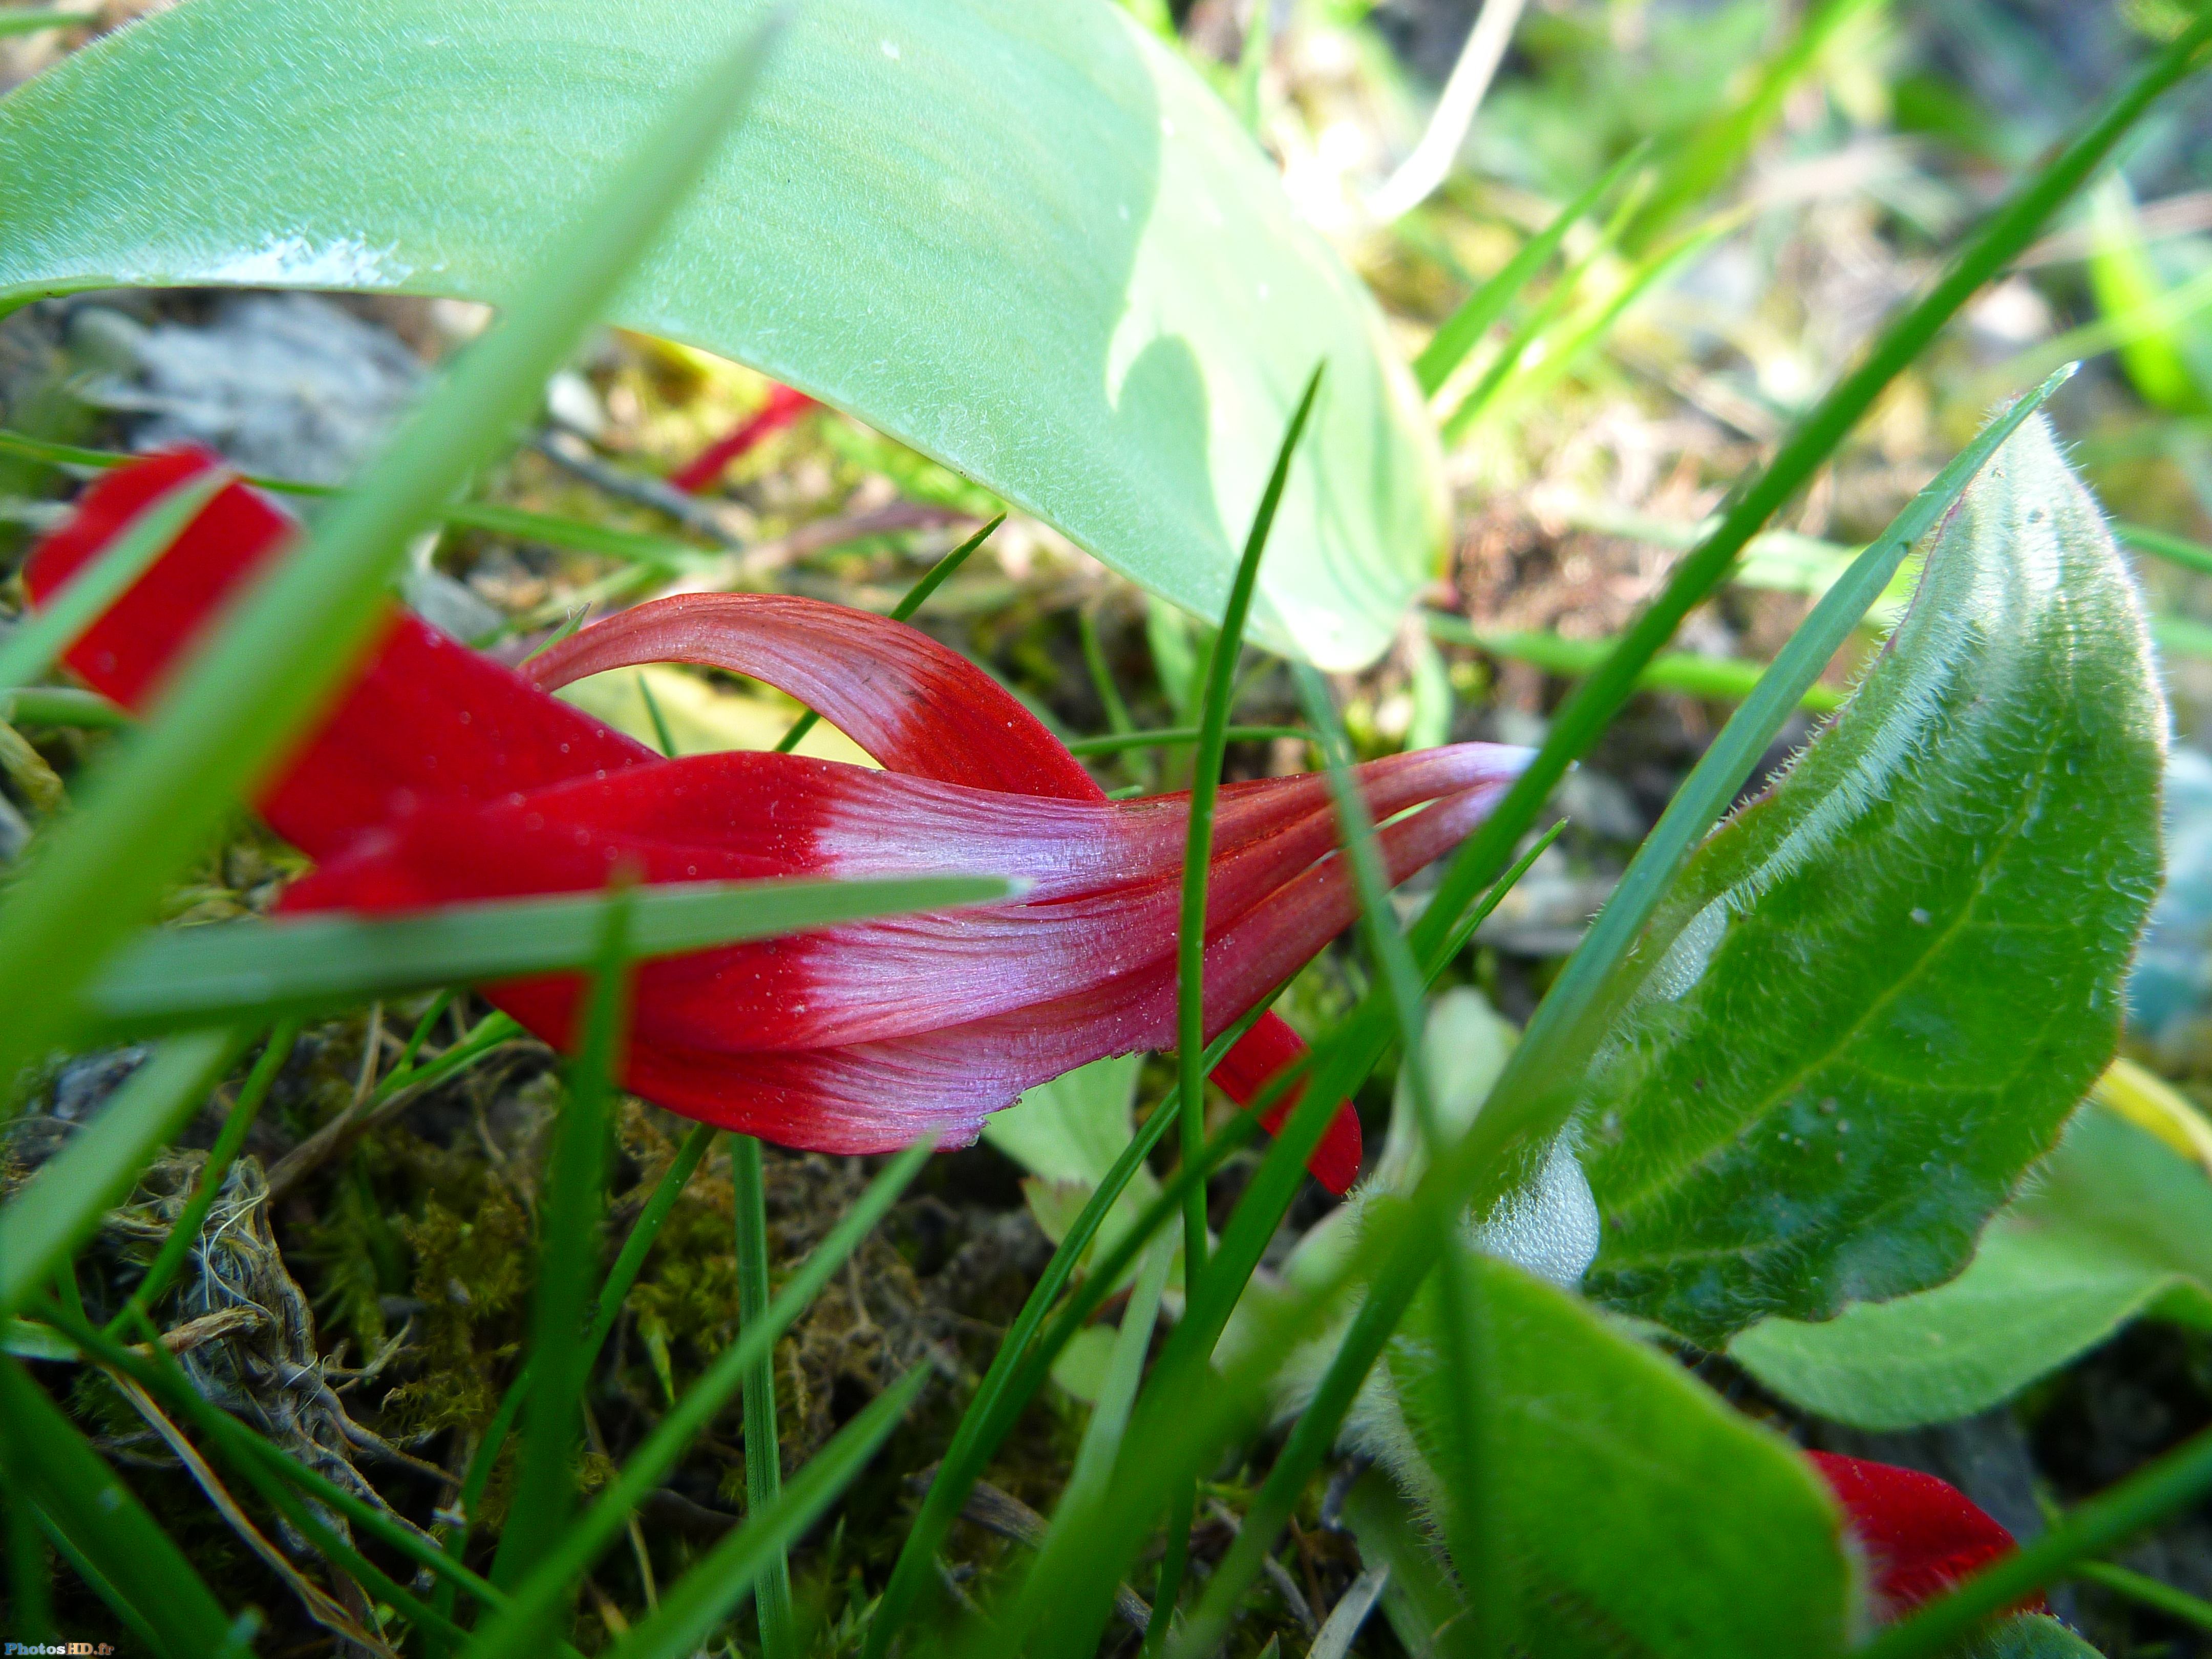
[298, 965]
[50, 1464]
[1464, 330]
[698, 1601]
[511, 1633]
[763, 1460]
[544, 1487]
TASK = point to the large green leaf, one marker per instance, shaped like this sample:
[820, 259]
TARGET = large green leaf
[1024, 238]
[2114, 1225]
[1641, 1516]
[1871, 1000]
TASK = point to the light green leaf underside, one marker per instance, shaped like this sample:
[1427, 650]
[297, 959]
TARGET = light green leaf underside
[1025, 240]
[1872, 999]
[1643, 1517]
[2114, 1226]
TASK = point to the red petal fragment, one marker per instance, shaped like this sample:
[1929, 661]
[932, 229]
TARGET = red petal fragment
[784, 406]
[426, 719]
[1920, 1534]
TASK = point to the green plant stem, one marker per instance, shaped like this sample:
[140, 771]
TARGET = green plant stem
[2150, 1592]
[933, 579]
[185, 1232]
[1198, 852]
[2106, 1521]
[544, 1485]
[1179, 736]
[1012, 1376]
[1722, 678]
[1174, 1564]
[1461, 332]
[2164, 544]
[763, 1460]
[661, 732]
[619, 1279]
[1469, 1514]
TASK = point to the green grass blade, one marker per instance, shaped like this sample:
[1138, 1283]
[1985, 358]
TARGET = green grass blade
[1595, 702]
[291, 640]
[568, 1251]
[1720, 146]
[620, 1278]
[2164, 544]
[55, 705]
[763, 1460]
[184, 1233]
[1464, 330]
[1468, 1522]
[30, 22]
[691, 1608]
[1721, 679]
[1174, 736]
[1198, 852]
[511, 1632]
[1001, 1397]
[2162, 1488]
[1561, 358]
[302, 964]
[30, 652]
[662, 734]
[1218, 693]
[61, 1206]
[1556, 299]
[933, 579]
[50, 1463]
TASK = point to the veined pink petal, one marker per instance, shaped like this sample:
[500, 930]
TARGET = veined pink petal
[878, 980]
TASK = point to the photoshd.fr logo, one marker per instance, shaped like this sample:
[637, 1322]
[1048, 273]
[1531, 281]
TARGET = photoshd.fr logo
[77, 1650]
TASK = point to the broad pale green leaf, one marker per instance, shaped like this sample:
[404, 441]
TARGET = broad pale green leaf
[1024, 238]
[1642, 1515]
[2113, 1227]
[1872, 999]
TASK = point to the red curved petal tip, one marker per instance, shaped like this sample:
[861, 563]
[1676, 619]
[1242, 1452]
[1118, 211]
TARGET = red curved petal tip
[1264, 1050]
[1920, 1534]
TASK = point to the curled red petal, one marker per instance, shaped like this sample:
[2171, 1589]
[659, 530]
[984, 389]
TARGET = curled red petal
[918, 707]
[1920, 1534]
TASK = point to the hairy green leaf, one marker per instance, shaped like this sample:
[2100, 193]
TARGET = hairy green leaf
[1027, 241]
[2114, 1225]
[1643, 1517]
[1871, 1000]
